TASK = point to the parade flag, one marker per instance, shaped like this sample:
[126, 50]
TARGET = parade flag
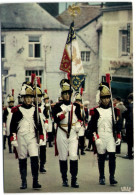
[71, 61]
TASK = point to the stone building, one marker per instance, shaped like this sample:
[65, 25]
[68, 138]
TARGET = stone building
[32, 41]
[116, 47]
[106, 33]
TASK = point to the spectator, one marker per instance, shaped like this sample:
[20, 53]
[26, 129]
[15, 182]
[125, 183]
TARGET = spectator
[128, 115]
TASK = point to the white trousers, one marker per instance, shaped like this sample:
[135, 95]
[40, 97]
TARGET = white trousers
[67, 146]
[107, 143]
[27, 144]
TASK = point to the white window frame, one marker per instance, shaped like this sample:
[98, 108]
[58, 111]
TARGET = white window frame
[85, 56]
[33, 44]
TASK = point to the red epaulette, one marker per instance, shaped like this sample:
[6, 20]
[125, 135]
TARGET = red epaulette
[117, 111]
[91, 111]
[15, 108]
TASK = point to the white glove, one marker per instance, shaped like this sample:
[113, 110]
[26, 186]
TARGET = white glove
[14, 143]
[78, 127]
[98, 142]
[41, 142]
[67, 108]
[118, 142]
[95, 136]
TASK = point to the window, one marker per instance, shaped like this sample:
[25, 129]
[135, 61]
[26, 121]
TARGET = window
[85, 56]
[37, 72]
[3, 47]
[82, 55]
[34, 47]
[123, 42]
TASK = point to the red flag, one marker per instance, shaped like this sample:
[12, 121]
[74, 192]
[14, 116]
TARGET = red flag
[65, 62]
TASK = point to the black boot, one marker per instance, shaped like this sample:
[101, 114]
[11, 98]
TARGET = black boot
[74, 172]
[50, 144]
[42, 169]
[63, 170]
[4, 142]
[42, 158]
[23, 172]
[101, 166]
[112, 166]
[34, 170]
[9, 144]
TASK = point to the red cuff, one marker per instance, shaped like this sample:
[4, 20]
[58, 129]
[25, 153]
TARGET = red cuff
[94, 137]
[62, 116]
[119, 136]
[46, 121]
[80, 121]
[41, 137]
[12, 138]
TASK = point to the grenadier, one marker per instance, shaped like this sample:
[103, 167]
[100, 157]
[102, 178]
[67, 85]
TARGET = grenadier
[103, 131]
[66, 115]
[42, 148]
[48, 119]
[24, 131]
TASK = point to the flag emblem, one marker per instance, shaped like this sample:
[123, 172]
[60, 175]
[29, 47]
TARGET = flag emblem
[71, 60]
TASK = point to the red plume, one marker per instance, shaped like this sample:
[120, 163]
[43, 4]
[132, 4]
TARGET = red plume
[12, 92]
[81, 91]
[33, 75]
[108, 78]
[38, 81]
[45, 90]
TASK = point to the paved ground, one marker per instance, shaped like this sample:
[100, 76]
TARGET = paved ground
[87, 176]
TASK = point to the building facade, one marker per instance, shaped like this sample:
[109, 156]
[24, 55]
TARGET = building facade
[32, 42]
[116, 51]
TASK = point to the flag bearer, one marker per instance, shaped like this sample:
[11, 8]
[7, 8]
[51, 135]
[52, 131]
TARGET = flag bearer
[66, 115]
[103, 131]
[25, 131]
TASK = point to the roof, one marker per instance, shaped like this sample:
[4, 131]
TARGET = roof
[27, 16]
[88, 14]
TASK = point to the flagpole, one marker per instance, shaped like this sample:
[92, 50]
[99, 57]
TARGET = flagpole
[72, 12]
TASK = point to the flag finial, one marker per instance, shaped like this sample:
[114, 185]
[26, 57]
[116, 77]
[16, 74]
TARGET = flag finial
[74, 10]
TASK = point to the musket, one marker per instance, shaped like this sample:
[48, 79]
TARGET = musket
[108, 81]
[37, 109]
[112, 106]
